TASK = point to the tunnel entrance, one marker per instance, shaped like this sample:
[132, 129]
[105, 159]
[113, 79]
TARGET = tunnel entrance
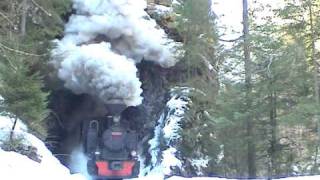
[71, 111]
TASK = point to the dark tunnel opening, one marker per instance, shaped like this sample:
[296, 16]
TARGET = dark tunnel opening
[70, 111]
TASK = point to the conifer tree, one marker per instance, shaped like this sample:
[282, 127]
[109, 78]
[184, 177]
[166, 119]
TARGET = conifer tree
[196, 24]
[23, 97]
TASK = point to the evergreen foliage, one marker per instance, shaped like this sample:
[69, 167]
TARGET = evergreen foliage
[22, 93]
[27, 27]
[283, 97]
[196, 23]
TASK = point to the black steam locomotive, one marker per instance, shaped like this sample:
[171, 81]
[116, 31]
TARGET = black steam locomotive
[111, 148]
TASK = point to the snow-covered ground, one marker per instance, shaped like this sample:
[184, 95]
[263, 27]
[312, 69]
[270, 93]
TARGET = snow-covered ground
[217, 178]
[14, 166]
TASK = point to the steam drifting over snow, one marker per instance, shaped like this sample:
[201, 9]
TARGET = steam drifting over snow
[103, 41]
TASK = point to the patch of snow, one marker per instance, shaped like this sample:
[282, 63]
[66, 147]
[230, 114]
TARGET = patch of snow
[170, 160]
[6, 123]
[167, 132]
[154, 143]
[200, 163]
[209, 66]
[175, 2]
[221, 154]
[172, 126]
[162, 10]
[15, 166]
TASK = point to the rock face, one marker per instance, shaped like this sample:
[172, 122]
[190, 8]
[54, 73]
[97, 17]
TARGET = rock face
[160, 2]
[163, 13]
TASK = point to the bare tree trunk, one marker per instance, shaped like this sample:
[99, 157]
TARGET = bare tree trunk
[11, 15]
[13, 128]
[248, 74]
[315, 75]
[24, 14]
[274, 136]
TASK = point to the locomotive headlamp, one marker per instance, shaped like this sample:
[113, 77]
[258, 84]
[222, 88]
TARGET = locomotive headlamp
[133, 153]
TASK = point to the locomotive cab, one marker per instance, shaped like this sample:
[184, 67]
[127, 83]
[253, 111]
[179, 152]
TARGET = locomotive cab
[111, 151]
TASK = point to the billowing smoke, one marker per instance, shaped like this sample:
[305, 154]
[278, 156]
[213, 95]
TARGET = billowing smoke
[102, 43]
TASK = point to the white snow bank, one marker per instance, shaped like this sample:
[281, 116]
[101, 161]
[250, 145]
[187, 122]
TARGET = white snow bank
[302, 178]
[195, 178]
[217, 178]
[15, 166]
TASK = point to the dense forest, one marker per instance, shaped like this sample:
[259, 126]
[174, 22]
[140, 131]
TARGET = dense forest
[254, 104]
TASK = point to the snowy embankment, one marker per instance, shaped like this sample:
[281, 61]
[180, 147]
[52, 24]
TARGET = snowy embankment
[15, 166]
[217, 178]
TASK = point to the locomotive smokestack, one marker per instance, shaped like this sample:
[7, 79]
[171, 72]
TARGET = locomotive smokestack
[116, 119]
[115, 109]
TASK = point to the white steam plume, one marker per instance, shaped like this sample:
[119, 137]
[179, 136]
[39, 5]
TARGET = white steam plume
[107, 69]
[78, 163]
[94, 69]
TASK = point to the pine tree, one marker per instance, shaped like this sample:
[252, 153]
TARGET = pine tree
[23, 97]
[303, 29]
[196, 24]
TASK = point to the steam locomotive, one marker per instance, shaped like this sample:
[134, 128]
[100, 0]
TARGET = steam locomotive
[111, 149]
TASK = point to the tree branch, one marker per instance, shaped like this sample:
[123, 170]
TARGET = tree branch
[230, 40]
[41, 8]
[21, 52]
[7, 18]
